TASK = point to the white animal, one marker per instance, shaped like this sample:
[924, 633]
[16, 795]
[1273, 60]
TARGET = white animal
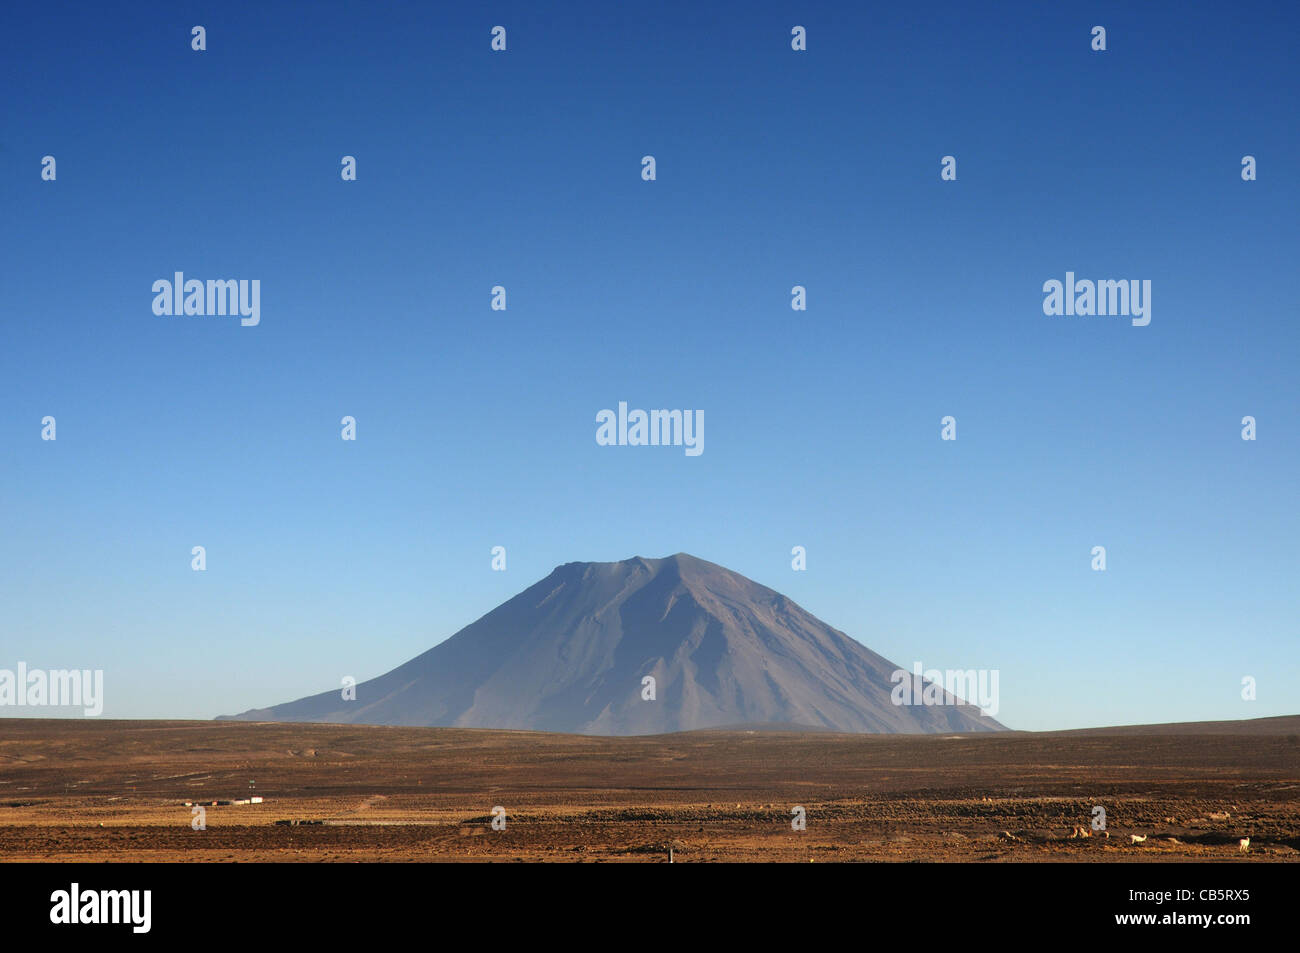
[1244, 844]
[1137, 838]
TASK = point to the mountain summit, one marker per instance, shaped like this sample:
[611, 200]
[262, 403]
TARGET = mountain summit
[570, 653]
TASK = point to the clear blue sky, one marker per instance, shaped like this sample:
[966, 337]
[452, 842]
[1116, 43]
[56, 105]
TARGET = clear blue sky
[476, 428]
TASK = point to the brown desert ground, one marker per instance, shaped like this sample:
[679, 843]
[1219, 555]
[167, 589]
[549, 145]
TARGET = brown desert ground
[116, 791]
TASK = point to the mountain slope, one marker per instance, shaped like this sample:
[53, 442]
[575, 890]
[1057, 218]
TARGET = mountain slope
[569, 653]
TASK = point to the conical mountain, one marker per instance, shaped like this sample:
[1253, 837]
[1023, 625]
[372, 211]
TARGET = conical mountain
[569, 654]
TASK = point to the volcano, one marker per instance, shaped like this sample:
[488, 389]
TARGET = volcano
[572, 653]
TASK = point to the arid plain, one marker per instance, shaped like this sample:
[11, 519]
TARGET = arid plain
[116, 791]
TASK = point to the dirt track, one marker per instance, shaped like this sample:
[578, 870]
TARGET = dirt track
[104, 790]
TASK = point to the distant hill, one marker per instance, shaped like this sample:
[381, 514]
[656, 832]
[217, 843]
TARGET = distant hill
[568, 654]
[1276, 725]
